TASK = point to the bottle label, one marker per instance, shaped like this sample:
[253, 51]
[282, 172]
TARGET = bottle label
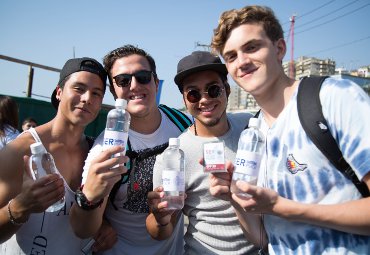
[214, 157]
[112, 138]
[173, 180]
[247, 162]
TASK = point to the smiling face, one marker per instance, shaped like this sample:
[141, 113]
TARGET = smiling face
[81, 97]
[141, 97]
[208, 112]
[252, 59]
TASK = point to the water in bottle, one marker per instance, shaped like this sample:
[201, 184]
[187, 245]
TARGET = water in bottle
[41, 164]
[118, 124]
[248, 157]
[173, 175]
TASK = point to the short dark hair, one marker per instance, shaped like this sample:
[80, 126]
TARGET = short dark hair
[125, 51]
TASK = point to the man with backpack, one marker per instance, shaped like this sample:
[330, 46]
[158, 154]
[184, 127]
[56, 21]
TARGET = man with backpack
[133, 76]
[307, 205]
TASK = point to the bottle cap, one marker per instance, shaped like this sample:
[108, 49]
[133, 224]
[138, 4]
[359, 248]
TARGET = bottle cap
[174, 142]
[37, 148]
[120, 103]
[254, 122]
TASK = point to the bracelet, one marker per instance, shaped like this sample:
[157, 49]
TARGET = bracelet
[11, 217]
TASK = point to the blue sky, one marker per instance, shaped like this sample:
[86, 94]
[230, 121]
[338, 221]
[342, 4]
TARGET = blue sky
[48, 32]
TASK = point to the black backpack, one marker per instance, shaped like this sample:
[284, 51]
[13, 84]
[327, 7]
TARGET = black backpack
[316, 127]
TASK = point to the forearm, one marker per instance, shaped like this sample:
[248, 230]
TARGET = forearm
[11, 218]
[252, 226]
[86, 224]
[351, 217]
[158, 231]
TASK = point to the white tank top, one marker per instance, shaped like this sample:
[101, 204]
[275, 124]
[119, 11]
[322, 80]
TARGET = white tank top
[47, 232]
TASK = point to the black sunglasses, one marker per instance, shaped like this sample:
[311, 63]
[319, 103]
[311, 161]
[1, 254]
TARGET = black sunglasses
[124, 79]
[213, 91]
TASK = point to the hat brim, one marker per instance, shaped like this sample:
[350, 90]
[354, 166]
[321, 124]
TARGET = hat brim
[220, 68]
[54, 100]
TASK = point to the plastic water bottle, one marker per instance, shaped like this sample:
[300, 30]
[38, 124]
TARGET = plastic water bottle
[118, 124]
[173, 175]
[248, 157]
[41, 164]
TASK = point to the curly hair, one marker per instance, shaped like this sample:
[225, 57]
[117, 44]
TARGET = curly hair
[247, 15]
[8, 113]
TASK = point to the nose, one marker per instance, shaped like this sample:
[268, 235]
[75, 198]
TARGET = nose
[242, 59]
[86, 97]
[134, 83]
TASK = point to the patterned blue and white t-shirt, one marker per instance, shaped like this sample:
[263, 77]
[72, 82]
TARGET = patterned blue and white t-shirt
[297, 170]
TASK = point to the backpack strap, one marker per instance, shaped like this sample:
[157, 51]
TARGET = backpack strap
[177, 117]
[180, 119]
[316, 127]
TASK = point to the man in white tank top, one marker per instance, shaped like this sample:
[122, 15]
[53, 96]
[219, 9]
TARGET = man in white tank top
[77, 98]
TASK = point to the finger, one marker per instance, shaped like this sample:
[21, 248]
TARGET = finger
[28, 172]
[201, 161]
[108, 153]
[154, 195]
[159, 189]
[247, 188]
[229, 167]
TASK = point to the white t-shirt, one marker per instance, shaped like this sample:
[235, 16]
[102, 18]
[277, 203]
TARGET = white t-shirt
[131, 199]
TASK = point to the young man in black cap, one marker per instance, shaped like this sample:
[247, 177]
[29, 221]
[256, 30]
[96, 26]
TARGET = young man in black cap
[78, 98]
[213, 225]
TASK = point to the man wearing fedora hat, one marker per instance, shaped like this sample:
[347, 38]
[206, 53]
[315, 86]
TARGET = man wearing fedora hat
[77, 98]
[213, 225]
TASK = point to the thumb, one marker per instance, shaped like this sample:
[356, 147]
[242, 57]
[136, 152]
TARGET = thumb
[28, 173]
[201, 161]
[229, 167]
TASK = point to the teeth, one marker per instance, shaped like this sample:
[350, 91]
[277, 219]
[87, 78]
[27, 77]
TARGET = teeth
[207, 109]
[137, 97]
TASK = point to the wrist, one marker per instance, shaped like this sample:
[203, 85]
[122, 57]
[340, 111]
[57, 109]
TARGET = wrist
[17, 219]
[84, 203]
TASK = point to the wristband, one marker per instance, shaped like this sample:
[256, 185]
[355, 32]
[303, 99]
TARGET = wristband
[11, 217]
[83, 202]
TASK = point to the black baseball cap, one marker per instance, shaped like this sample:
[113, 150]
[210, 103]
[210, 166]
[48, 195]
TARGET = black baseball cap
[198, 61]
[76, 65]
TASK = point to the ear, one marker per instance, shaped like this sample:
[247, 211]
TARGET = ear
[156, 80]
[281, 49]
[59, 92]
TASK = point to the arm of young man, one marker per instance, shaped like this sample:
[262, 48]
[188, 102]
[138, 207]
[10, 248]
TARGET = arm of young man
[351, 217]
[161, 222]
[101, 177]
[250, 223]
[20, 196]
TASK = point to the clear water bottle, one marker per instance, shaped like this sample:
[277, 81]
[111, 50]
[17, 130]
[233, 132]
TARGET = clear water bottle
[248, 157]
[118, 124]
[173, 175]
[41, 164]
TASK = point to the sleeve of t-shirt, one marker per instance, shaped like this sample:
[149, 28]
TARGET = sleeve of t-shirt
[94, 151]
[157, 170]
[346, 108]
